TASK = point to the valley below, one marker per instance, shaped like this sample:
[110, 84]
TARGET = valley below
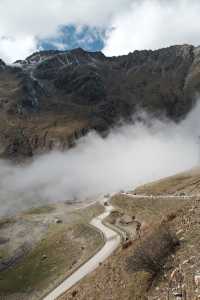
[43, 246]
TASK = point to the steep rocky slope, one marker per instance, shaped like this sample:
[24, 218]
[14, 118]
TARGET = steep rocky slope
[53, 97]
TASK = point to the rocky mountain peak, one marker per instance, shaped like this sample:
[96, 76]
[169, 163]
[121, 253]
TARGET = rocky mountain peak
[75, 56]
[2, 64]
[94, 90]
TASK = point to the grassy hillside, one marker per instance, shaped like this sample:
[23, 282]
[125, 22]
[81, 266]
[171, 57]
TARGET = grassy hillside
[46, 245]
[172, 223]
[186, 182]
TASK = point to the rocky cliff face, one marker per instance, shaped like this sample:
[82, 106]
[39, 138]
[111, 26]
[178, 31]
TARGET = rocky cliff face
[53, 97]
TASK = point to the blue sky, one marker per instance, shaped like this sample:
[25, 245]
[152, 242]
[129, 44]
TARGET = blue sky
[86, 37]
[116, 27]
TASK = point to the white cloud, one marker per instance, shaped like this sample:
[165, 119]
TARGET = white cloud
[144, 24]
[12, 49]
[129, 156]
[42, 17]
[152, 24]
[23, 21]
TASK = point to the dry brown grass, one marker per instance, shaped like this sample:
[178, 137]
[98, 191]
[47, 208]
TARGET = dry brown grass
[149, 211]
[187, 182]
[152, 252]
[147, 256]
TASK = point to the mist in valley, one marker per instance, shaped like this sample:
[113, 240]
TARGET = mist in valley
[132, 154]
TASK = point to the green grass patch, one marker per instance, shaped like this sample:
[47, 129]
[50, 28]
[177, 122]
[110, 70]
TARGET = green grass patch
[51, 260]
[64, 247]
[4, 222]
[40, 210]
[3, 254]
[51, 257]
[88, 213]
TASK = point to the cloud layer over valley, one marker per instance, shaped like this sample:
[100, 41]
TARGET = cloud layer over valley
[129, 156]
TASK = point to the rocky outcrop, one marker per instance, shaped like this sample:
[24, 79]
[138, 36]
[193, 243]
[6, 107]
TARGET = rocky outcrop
[93, 91]
[2, 65]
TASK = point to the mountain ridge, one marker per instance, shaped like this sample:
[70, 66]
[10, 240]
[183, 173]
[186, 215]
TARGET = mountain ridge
[53, 97]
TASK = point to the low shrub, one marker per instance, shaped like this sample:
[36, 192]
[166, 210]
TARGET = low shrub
[151, 254]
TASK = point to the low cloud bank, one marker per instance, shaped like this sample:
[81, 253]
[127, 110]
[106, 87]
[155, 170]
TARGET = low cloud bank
[154, 24]
[131, 155]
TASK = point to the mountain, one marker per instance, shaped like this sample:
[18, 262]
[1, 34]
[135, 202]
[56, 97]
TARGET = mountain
[53, 97]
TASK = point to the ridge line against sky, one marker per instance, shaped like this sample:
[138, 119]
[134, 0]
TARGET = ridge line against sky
[114, 26]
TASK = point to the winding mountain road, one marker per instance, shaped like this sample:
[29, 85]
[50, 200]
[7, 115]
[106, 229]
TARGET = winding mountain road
[159, 196]
[112, 241]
